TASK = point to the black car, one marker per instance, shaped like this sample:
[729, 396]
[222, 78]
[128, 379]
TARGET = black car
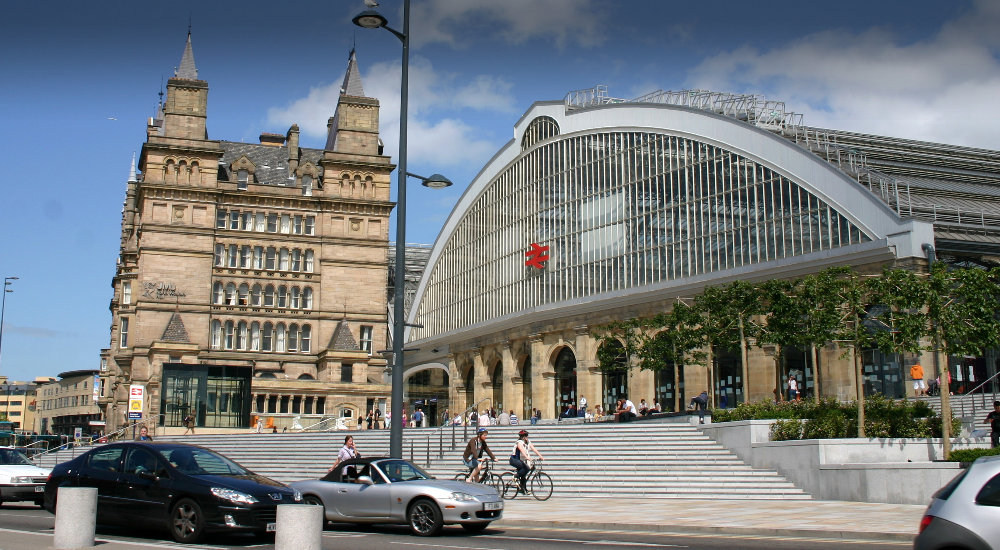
[187, 489]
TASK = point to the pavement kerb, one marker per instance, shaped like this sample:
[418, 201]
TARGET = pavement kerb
[710, 530]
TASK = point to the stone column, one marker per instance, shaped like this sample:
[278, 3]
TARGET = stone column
[589, 382]
[542, 378]
[481, 378]
[512, 396]
[456, 387]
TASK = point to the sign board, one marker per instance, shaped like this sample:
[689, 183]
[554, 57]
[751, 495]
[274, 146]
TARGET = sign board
[77, 432]
[136, 400]
[134, 416]
[97, 423]
[97, 387]
[537, 256]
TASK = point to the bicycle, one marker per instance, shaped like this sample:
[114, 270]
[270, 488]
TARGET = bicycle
[539, 483]
[486, 476]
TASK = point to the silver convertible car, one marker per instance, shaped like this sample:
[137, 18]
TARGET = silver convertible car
[390, 490]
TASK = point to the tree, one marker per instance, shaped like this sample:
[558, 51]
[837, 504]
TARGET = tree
[782, 319]
[819, 318]
[853, 299]
[672, 338]
[726, 313]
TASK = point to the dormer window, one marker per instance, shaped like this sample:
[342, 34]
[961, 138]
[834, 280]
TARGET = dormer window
[307, 186]
[242, 178]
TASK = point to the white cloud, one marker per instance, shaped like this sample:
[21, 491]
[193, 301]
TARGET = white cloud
[433, 138]
[516, 21]
[944, 88]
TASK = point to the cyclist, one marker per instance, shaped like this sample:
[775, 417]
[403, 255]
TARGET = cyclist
[521, 453]
[473, 452]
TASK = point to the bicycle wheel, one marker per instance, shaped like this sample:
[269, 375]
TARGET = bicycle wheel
[496, 481]
[460, 477]
[541, 486]
[509, 485]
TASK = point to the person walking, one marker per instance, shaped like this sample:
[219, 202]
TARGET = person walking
[418, 418]
[473, 452]
[188, 422]
[793, 388]
[701, 402]
[369, 419]
[260, 425]
[378, 416]
[474, 419]
[917, 374]
[520, 455]
[994, 420]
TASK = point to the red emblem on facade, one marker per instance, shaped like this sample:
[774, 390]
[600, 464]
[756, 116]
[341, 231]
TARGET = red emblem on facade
[536, 255]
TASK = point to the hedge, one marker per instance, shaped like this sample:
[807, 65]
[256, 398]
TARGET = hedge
[970, 455]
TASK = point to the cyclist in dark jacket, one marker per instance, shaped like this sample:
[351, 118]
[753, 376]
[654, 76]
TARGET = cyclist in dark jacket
[473, 451]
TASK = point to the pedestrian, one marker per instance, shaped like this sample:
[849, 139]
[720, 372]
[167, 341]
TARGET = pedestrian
[188, 422]
[627, 411]
[347, 452]
[534, 416]
[274, 429]
[513, 418]
[370, 418]
[793, 388]
[474, 419]
[260, 425]
[144, 434]
[994, 419]
[446, 417]
[701, 402]
[418, 418]
[582, 411]
[503, 419]
[458, 420]
[917, 374]
[388, 418]
[405, 418]
[378, 416]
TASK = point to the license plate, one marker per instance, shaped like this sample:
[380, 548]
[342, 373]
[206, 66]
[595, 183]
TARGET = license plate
[493, 506]
[272, 527]
[39, 488]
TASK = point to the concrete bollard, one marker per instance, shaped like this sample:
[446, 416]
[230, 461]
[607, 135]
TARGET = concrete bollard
[76, 517]
[300, 527]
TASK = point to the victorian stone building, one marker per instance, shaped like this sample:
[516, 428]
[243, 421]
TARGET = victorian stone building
[251, 278]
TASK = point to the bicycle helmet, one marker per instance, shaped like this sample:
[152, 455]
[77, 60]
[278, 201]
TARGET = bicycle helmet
[482, 430]
[522, 434]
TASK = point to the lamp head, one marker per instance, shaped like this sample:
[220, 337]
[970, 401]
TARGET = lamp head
[370, 19]
[437, 181]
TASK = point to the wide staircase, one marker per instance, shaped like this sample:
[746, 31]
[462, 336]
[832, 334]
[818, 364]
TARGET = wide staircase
[976, 405]
[641, 459]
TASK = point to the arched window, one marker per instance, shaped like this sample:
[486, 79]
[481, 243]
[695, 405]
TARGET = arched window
[195, 173]
[269, 264]
[220, 255]
[255, 296]
[307, 186]
[306, 376]
[230, 330]
[282, 296]
[307, 298]
[269, 296]
[245, 256]
[258, 257]
[295, 297]
[293, 337]
[268, 337]
[242, 335]
[182, 172]
[255, 336]
[306, 338]
[216, 334]
[169, 173]
[540, 129]
[280, 338]
[217, 293]
[244, 296]
[231, 294]
[309, 261]
[283, 260]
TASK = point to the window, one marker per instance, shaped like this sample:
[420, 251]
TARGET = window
[296, 295]
[268, 336]
[255, 336]
[347, 372]
[261, 222]
[220, 219]
[296, 260]
[216, 334]
[220, 255]
[272, 223]
[230, 330]
[293, 337]
[242, 335]
[269, 296]
[279, 343]
[307, 186]
[285, 223]
[255, 296]
[107, 458]
[297, 225]
[123, 333]
[245, 254]
[248, 221]
[231, 294]
[140, 460]
[233, 253]
[306, 338]
[307, 298]
[309, 261]
[126, 293]
[244, 296]
[282, 296]
[234, 219]
[257, 262]
[269, 264]
[283, 260]
[242, 178]
[366, 338]
[989, 495]
[217, 295]
[310, 225]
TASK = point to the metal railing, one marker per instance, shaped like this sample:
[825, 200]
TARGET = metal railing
[439, 432]
[961, 400]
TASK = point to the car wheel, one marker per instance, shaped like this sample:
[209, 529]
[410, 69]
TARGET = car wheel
[475, 527]
[187, 522]
[314, 500]
[425, 518]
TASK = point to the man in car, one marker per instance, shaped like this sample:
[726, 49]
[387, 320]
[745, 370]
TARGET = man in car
[474, 451]
[994, 419]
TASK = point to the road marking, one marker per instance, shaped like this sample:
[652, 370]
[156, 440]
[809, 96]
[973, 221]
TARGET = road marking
[443, 546]
[123, 541]
[698, 535]
[578, 541]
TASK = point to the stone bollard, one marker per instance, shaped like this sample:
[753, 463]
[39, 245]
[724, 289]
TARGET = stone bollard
[300, 527]
[76, 517]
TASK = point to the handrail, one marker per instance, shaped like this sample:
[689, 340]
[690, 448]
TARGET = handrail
[439, 432]
[972, 395]
[323, 421]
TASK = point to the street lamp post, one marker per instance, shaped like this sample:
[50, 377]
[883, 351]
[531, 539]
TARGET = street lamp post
[3, 304]
[371, 19]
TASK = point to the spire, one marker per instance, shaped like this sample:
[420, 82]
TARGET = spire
[352, 79]
[187, 70]
[131, 171]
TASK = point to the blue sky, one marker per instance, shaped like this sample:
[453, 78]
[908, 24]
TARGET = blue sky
[80, 79]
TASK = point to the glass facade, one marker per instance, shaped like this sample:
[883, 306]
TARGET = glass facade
[618, 210]
[217, 396]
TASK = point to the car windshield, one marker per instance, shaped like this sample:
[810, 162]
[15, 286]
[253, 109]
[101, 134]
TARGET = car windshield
[194, 461]
[12, 457]
[401, 470]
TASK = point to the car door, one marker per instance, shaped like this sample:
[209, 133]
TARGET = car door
[358, 500]
[142, 498]
[102, 471]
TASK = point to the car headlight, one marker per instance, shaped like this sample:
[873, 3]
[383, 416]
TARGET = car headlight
[21, 479]
[296, 495]
[462, 497]
[233, 496]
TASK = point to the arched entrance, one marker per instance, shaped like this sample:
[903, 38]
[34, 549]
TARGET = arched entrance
[427, 389]
[614, 376]
[526, 389]
[565, 379]
[470, 388]
[497, 382]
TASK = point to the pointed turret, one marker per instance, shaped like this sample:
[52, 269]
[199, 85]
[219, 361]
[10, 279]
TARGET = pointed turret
[187, 70]
[131, 170]
[356, 132]
[352, 78]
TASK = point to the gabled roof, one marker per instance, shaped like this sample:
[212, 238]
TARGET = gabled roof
[342, 339]
[187, 70]
[271, 162]
[175, 331]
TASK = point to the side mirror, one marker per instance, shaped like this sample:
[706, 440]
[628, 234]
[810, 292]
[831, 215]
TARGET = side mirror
[365, 480]
[162, 473]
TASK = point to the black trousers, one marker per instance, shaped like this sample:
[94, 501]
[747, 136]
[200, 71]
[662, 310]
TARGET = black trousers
[626, 416]
[522, 469]
[995, 439]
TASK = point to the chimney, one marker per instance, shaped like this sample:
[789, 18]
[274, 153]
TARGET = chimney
[292, 138]
[272, 140]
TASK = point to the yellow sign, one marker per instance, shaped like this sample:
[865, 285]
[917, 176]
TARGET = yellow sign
[135, 405]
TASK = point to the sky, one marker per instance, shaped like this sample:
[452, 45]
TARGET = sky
[79, 79]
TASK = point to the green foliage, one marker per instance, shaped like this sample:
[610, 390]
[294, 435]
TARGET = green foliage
[970, 455]
[3, 417]
[677, 343]
[616, 343]
[786, 430]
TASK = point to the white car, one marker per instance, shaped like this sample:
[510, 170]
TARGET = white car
[965, 513]
[20, 480]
